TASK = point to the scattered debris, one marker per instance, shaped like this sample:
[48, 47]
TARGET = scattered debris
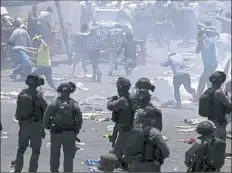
[16, 121]
[96, 97]
[84, 103]
[48, 145]
[165, 138]
[189, 141]
[193, 121]
[94, 169]
[92, 162]
[12, 93]
[229, 136]
[91, 116]
[183, 127]
[58, 79]
[103, 119]
[107, 135]
[110, 127]
[113, 81]
[81, 86]
[186, 130]
[228, 158]
[167, 104]
[80, 143]
[4, 137]
[98, 109]
[175, 169]
[88, 108]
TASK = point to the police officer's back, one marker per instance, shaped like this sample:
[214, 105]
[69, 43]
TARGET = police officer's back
[221, 104]
[29, 112]
[64, 119]
[144, 148]
[207, 154]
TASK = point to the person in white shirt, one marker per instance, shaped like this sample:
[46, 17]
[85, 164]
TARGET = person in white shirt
[180, 76]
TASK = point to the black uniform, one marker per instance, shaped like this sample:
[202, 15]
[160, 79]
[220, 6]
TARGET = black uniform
[29, 112]
[63, 135]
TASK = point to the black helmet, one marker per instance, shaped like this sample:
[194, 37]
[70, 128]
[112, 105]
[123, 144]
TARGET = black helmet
[205, 128]
[217, 77]
[34, 79]
[66, 87]
[144, 83]
[123, 83]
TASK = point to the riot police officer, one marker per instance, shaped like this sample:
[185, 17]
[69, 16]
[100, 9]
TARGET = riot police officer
[63, 118]
[29, 112]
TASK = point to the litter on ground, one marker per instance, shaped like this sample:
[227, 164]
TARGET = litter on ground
[58, 79]
[16, 121]
[107, 135]
[92, 162]
[80, 86]
[193, 121]
[183, 127]
[186, 130]
[96, 97]
[188, 141]
[4, 137]
[165, 138]
[110, 127]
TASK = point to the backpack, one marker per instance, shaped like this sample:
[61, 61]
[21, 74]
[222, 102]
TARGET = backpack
[64, 116]
[135, 143]
[215, 157]
[206, 103]
[29, 107]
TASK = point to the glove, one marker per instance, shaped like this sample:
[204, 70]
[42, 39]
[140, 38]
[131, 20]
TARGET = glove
[114, 97]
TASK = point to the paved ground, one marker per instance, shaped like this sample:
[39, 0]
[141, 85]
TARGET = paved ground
[92, 132]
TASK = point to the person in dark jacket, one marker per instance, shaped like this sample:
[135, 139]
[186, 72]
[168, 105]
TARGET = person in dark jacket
[29, 112]
[192, 157]
[222, 104]
[155, 149]
[120, 106]
[122, 112]
[63, 118]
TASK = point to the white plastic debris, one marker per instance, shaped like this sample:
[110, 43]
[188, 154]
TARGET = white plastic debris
[183, 127]
[48, 145]
[4, 137]
[165, 138]
[16, 121]
[96, 97]
[110, 127]
[58, 79]
[80, 143]
[186, 130]
[194, 121]
[12, 93]
[81, 86]
[4, 133]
